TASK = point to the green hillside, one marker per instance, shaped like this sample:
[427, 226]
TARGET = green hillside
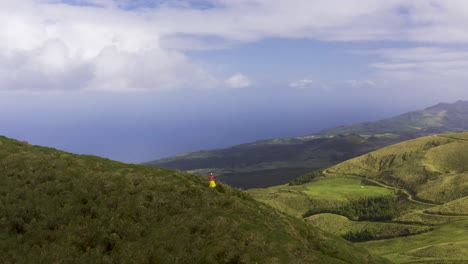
[278, 161]
[432, 168]
[57, 207]
[406, 202]
[452, 208]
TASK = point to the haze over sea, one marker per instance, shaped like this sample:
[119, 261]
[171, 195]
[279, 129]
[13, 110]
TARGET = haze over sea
[136, 128]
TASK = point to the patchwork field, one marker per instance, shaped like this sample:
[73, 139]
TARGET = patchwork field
[327, 192]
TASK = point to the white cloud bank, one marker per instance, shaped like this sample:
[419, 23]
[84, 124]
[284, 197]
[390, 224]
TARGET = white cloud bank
[238, 81]
[301, 84]
[100, 45]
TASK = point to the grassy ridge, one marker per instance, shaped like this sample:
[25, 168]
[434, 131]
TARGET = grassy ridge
[456, 207]
[59, 207]
[432, 168]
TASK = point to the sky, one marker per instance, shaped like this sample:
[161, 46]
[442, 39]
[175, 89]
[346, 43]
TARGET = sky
[137, 80]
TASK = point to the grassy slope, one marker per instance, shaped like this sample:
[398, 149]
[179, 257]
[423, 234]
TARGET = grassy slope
[446, 244]
[340, 225]
[456, 207]
[59, 207]
[434, 167]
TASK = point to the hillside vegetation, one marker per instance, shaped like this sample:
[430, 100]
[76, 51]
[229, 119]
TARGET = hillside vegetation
[406, 202]
[432, 168]
[277, 161]
[452, 208]
[57, 207]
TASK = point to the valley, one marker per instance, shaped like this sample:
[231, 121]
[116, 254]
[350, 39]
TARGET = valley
[423, 224]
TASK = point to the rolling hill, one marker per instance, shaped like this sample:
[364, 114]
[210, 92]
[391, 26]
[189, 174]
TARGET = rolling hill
[277, 161]
[406, 202]
[432, 168]
[56, 207]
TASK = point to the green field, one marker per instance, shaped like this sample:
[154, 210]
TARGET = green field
[327, 192]
[343, 188]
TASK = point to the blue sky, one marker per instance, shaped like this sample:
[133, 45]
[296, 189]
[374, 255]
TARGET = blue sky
[140, 80]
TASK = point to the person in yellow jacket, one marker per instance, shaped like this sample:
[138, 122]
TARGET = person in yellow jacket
[212, 180]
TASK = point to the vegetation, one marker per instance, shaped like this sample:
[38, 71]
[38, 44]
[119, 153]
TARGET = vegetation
[380, 208]
[412, 207]
[430, 168]
[56, 207]
[358, 231]
[445, 244]
[453, 208]
[331, 192]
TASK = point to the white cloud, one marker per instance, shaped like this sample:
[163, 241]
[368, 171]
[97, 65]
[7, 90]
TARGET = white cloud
[360, 83]
[355, 20]
[428, 60]
[422, 72]
[58, 46]
[301, 84]
[102, 45]
[238, 81]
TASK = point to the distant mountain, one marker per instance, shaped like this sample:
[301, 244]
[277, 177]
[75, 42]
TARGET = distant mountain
[56, 207]
[440, 118]
[277, 161]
